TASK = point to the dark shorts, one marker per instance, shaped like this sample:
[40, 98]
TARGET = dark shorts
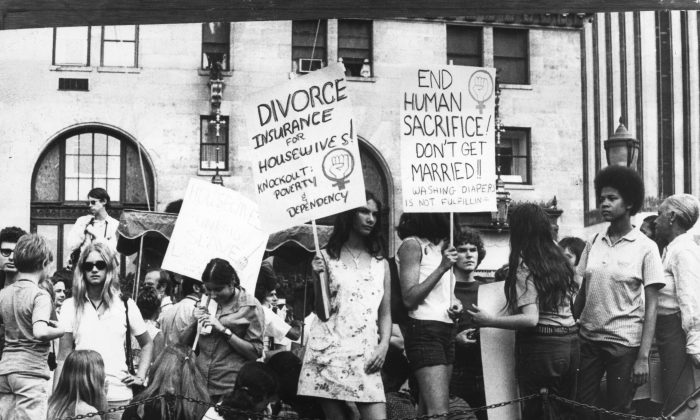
[429, 343]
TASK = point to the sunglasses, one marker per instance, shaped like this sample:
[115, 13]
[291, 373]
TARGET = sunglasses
[92, 202]
[5, 252]
[87, 265]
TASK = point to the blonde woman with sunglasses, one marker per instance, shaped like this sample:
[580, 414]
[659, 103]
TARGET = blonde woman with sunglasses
[95, 318]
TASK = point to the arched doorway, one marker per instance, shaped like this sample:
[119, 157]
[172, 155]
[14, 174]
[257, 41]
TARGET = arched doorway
[377, 181]
[76, 161]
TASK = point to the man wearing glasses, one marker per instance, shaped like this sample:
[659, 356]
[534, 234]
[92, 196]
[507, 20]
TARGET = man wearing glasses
[8, 240]
[98, 225]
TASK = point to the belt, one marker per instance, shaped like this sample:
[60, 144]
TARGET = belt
[552, 330]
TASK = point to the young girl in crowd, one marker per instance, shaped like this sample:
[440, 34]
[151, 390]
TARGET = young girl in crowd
[539, 291]
[621, 274]
[424, 262]
[678, 322]
[345, 353]
[237, 329]
[95, 318]
[80, 389]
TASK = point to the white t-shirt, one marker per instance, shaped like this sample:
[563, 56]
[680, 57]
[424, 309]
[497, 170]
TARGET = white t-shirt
[275, 327]
[106, 335]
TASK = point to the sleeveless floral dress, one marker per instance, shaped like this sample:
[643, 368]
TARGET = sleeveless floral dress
[337, 350]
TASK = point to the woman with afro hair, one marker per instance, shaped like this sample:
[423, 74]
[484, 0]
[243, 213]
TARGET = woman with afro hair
[621, 274]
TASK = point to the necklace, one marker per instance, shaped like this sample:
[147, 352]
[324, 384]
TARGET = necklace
[355, 258]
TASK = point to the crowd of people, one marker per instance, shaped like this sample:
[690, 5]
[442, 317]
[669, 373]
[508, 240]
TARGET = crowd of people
[394, 338]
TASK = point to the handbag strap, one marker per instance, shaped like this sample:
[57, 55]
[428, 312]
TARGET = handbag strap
[127, 343]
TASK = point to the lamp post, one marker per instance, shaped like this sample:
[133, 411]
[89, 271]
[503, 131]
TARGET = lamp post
[499, 219]
[621, 148]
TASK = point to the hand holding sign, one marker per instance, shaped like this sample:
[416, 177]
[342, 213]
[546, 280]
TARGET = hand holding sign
[305, 149]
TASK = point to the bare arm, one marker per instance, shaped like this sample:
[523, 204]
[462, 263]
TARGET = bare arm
[376, 361]
[43, 331]
[640, 370]
[413, 292]
[244, 348]
[146, 344]
[527, 318]
[65, 347]
[385, 309]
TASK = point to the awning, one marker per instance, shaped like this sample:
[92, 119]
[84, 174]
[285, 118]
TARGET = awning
[299, 236]
[17, 14]
[155, 228]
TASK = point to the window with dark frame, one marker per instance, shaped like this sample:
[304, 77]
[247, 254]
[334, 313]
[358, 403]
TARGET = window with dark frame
[514, 156]
[511, 55]
[92, 160]
[465, 45]
[355, 44]
[120, 46]
[309, 50]
[216, 44]
[71, 46]
[213, 151]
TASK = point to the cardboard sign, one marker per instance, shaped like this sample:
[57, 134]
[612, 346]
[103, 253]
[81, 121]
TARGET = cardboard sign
[498, 356]
[306, 161]
[448, 158]
[216, 222]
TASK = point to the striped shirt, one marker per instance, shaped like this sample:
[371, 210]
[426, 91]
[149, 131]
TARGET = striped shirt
[616, 275]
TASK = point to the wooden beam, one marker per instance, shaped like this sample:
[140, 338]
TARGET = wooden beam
[17, 14]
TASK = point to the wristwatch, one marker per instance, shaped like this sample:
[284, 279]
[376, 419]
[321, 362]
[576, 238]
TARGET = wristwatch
[228, 333]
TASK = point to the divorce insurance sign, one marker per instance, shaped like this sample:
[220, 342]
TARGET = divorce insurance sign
[306, 161]
[448, 161]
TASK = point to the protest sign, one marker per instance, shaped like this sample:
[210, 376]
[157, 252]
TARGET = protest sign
[448, 159]
[306, 161]
[498, 355]
[216, 222]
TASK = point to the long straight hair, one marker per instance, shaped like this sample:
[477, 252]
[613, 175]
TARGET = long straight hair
[343, 226]
[532, 244]
[82, 379]
[110, 288]
[175, 372]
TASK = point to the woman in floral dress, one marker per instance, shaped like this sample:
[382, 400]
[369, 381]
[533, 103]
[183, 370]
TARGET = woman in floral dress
[345, 353]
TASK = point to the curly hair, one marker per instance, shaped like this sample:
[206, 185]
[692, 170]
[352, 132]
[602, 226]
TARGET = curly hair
[467, 235]
[626, 181]
[11, 234]
[148, 302]
[343, 226]
[531, 244]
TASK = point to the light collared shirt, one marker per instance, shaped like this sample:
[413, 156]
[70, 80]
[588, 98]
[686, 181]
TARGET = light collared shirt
[106, 230]
[681, 261]
[106, 334]
[217, 359]
[616, 275]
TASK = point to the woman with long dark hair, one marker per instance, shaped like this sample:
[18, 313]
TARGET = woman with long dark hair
[81, 386]
[173, 373]
[539, 290]
[424, 260]
[344, 354]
